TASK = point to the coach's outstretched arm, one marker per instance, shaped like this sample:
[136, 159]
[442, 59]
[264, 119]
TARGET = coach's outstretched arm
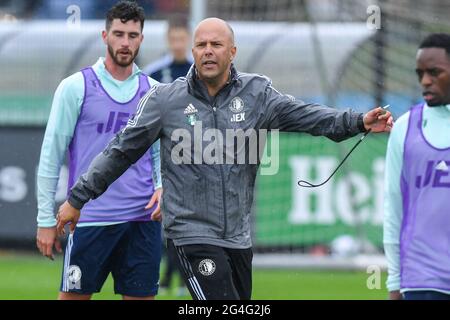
[125, 149]
[287, 114]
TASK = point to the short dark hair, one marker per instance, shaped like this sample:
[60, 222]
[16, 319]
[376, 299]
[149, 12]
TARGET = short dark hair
[125, 11]
[437, 40]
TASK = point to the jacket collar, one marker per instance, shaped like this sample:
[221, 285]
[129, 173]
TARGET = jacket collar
[198, 88]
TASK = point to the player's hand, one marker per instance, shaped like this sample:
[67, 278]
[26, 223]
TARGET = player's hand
[156, 198]
[395, 295]
[66, 214]
[378, 120]
[46, 238]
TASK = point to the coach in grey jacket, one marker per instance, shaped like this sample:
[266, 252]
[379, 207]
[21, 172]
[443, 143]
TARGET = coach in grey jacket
[208, 192]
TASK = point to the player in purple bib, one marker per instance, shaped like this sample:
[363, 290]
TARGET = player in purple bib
[417, 210]
[119, 233]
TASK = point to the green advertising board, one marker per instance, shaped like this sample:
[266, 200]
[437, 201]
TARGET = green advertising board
[24, 110]
[351, 203]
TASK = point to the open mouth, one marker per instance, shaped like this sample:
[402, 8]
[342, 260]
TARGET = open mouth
[209, 63]
[427, 95]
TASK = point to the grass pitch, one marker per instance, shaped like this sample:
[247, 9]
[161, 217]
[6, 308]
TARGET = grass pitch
[33, 277]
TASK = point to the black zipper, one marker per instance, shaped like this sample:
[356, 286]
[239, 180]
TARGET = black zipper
[222, 176]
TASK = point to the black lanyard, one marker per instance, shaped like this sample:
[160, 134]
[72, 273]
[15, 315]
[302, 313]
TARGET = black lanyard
[306, 184]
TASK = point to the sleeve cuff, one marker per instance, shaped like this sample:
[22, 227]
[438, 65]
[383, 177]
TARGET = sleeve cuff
[74, 202]
[360, 122]
[393, 283]
[49, 224]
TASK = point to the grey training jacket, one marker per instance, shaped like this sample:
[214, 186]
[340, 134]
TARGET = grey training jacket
[207, 200]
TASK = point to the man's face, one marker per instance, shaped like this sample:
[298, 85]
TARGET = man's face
[213, 51]
[123, 41]
[433, 71]
[178, 40]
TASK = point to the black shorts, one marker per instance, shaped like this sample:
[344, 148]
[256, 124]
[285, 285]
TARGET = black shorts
[131, 251]
[215, 273]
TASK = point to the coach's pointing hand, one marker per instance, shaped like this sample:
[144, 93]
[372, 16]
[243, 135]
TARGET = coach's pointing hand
[378, 120]
[66, 214]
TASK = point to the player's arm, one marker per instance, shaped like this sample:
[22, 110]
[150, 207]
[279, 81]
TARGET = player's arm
[155, 152]
[156, 172]
[156, 164]
[126, 148]
[287, 114]
[393, 206]
[61, 124]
